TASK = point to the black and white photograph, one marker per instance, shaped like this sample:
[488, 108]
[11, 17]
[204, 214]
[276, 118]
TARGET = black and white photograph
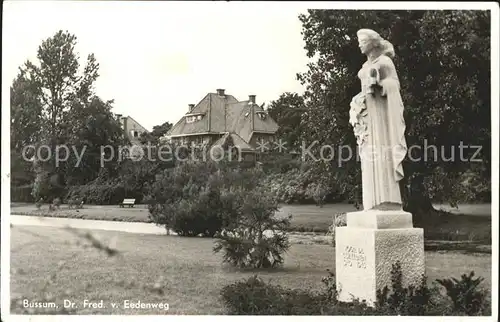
[233, 158]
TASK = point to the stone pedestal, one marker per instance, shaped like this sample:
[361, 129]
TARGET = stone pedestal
[367, 248]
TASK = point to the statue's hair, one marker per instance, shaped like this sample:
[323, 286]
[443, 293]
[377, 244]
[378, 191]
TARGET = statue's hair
[378, 42]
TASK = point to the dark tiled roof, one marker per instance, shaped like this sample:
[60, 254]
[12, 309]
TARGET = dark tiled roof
[223, 115]
[266, 124]
[237, 142]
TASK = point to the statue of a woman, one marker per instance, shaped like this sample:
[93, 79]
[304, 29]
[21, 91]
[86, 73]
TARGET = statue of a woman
[377, 117]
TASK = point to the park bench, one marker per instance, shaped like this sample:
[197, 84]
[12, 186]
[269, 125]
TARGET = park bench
[127, 202]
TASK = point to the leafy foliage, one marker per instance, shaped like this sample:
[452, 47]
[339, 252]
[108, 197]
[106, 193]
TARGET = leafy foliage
[446, 98]
[26, 111]
[253, 296]
[256, 297]
[54, 104]
[96, 127]
[99, 194]
[191, 198]
[254, 237]
[154, 136]
[287, 111]
[409, 300]
[305, 184]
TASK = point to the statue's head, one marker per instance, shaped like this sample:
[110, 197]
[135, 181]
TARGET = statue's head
[370, 40]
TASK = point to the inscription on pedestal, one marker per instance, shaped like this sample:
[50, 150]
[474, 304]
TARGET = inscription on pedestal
[354, 257]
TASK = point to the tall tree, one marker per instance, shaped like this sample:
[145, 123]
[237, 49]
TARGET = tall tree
[287, 111]
[25, 128]
[96, 127]
[154, 136]
[57, 79]
[66, 110]
[442, 58]
[26, 112]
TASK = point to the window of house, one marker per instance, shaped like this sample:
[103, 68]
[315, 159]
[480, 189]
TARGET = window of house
[193, 118]
[198, 140]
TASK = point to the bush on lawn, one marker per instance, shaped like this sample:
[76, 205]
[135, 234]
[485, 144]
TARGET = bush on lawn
[56, 202]
[22, 193]
[465, 294]
[399, 300]
[306, 184]
[256, 297]
[107, 193]
[255, 238]
[253, 296]
[276, 162]
[196, 198]
[339, 220]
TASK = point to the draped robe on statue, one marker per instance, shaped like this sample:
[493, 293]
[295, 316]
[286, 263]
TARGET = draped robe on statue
[379, 126]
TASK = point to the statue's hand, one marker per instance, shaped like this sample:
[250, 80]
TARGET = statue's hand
[389, 85]
[377, 88]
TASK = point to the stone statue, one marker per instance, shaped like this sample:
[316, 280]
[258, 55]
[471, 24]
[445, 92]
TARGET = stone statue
[382, 234]
[377, 118]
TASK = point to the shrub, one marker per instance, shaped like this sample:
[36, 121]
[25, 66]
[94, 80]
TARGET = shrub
[409, 300]
[39, 203]
[22, 193]
[107, 193]
[253, 296]
[198, 197]
[339, 220]
[186, 199]
[288, 187]
[256, 297]
[41, 186]
[195, 214]
[278, 162]
[56, 202]
[254, 237]
[331, 286]
[304, 184]
[464, 293]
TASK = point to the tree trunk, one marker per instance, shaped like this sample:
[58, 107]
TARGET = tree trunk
[415, 200]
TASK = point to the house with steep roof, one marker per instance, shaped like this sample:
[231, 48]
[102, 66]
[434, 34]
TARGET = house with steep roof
[132, 130]
[220, 116]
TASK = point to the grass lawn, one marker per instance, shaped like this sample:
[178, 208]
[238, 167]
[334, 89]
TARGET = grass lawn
[192, 275]
[472, 226]
[113, 213]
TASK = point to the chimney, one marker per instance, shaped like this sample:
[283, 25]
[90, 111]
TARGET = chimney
[251, 98]
[191, 106]
[220, 92]
[120, 119]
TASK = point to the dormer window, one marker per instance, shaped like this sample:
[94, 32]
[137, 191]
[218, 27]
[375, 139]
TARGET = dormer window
[194, 118]
[262, 115]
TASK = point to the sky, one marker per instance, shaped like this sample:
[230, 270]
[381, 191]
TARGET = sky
[157, 57]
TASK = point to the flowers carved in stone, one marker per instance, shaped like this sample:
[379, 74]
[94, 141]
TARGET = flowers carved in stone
[357, 114]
